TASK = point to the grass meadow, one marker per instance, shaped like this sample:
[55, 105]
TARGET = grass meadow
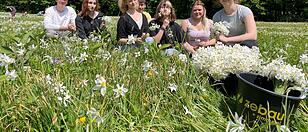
[59, 82]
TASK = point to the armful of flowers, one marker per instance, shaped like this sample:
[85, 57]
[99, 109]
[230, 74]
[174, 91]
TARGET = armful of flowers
[220, 28]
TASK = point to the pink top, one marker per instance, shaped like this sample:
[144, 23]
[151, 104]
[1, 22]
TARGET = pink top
[196, 36]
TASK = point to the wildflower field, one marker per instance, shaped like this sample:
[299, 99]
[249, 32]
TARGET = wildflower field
[69, 84]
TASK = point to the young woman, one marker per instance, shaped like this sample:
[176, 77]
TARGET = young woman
[131, 23]
[197, 28]
[240, 21]
[89, 19]
[163, 28]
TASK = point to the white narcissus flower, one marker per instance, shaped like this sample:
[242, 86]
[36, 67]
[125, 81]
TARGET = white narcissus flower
[183, 58]
[237, 125]
[106, 19]
[6, 60]
[83, 56]
[154, 26]
[21, 51]
[131, 39]
[303, 59]
[171, 72]
[64, 98]
[94, 114]
[11, 75]
[147, 65]
[172, 87]
[84, 83]
[284, 128]
[33, 47]
[137, 54]
[100, 84]
[187, 111]
[120, 91]
[48, 79]
[60, 88]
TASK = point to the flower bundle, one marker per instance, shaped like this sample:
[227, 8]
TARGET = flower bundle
[288, 74]
[222, 60]
[220, 28]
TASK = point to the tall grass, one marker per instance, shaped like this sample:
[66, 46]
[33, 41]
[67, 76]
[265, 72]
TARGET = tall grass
[29, 103]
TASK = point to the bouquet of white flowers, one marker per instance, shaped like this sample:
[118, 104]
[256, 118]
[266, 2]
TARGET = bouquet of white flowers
[290, 76]
[222, 60]
[220, 28]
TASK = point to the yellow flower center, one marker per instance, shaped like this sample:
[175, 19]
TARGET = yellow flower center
[103, 84]
[82, 120]
[150, 73]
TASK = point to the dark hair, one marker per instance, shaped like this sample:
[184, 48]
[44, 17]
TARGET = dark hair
[161, 3]
[142, 1]
[85, 9]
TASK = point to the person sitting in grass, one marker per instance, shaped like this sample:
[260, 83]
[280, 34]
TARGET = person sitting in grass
[13, 11]
[240, 22]
[197, 28]
[142, 6]
[59, 20]
[163, 27]
[89, 19]
[132, 27]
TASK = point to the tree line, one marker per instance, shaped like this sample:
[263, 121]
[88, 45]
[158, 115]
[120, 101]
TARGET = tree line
[264, 10]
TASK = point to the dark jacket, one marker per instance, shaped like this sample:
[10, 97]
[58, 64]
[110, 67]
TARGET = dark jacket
[172, 34]
[127, 26]
[85, 25]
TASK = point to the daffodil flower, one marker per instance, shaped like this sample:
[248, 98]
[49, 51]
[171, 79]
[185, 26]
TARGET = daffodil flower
[120, 91]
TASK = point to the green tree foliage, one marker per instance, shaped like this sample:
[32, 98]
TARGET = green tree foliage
[264, 10]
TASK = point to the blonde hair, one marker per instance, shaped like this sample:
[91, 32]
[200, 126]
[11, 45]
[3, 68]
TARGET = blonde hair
[204, 20]
[122, 5]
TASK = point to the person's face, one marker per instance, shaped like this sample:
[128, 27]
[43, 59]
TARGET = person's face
[141, 7]
[62, 2]
[226, 2]
[165, 9]
[133, 4]
[198, 11]
[91, 5]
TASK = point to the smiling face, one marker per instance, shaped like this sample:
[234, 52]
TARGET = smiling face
[165, 9]
[198, 12]
[226, 2]
[132, 4]
[91, 5]
[62, 2]
[141, 7]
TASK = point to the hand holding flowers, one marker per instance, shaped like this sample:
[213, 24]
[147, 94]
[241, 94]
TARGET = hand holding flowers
[219, 28]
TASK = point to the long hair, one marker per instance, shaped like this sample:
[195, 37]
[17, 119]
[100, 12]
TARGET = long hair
[85, 9]
[204, 19]
[122, 5]
[157, 15]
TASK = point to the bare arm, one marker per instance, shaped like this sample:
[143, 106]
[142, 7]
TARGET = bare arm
[161, 31]
[251, 32]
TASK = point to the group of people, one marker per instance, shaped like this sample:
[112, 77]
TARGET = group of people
[192, 33]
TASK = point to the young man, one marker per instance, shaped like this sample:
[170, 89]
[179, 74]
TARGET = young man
[59, 20]
[142, 6]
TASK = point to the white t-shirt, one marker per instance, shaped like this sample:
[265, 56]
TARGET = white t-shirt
[53, 20]
[235, 22]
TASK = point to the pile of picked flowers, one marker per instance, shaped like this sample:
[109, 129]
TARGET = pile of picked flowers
[220, 61]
